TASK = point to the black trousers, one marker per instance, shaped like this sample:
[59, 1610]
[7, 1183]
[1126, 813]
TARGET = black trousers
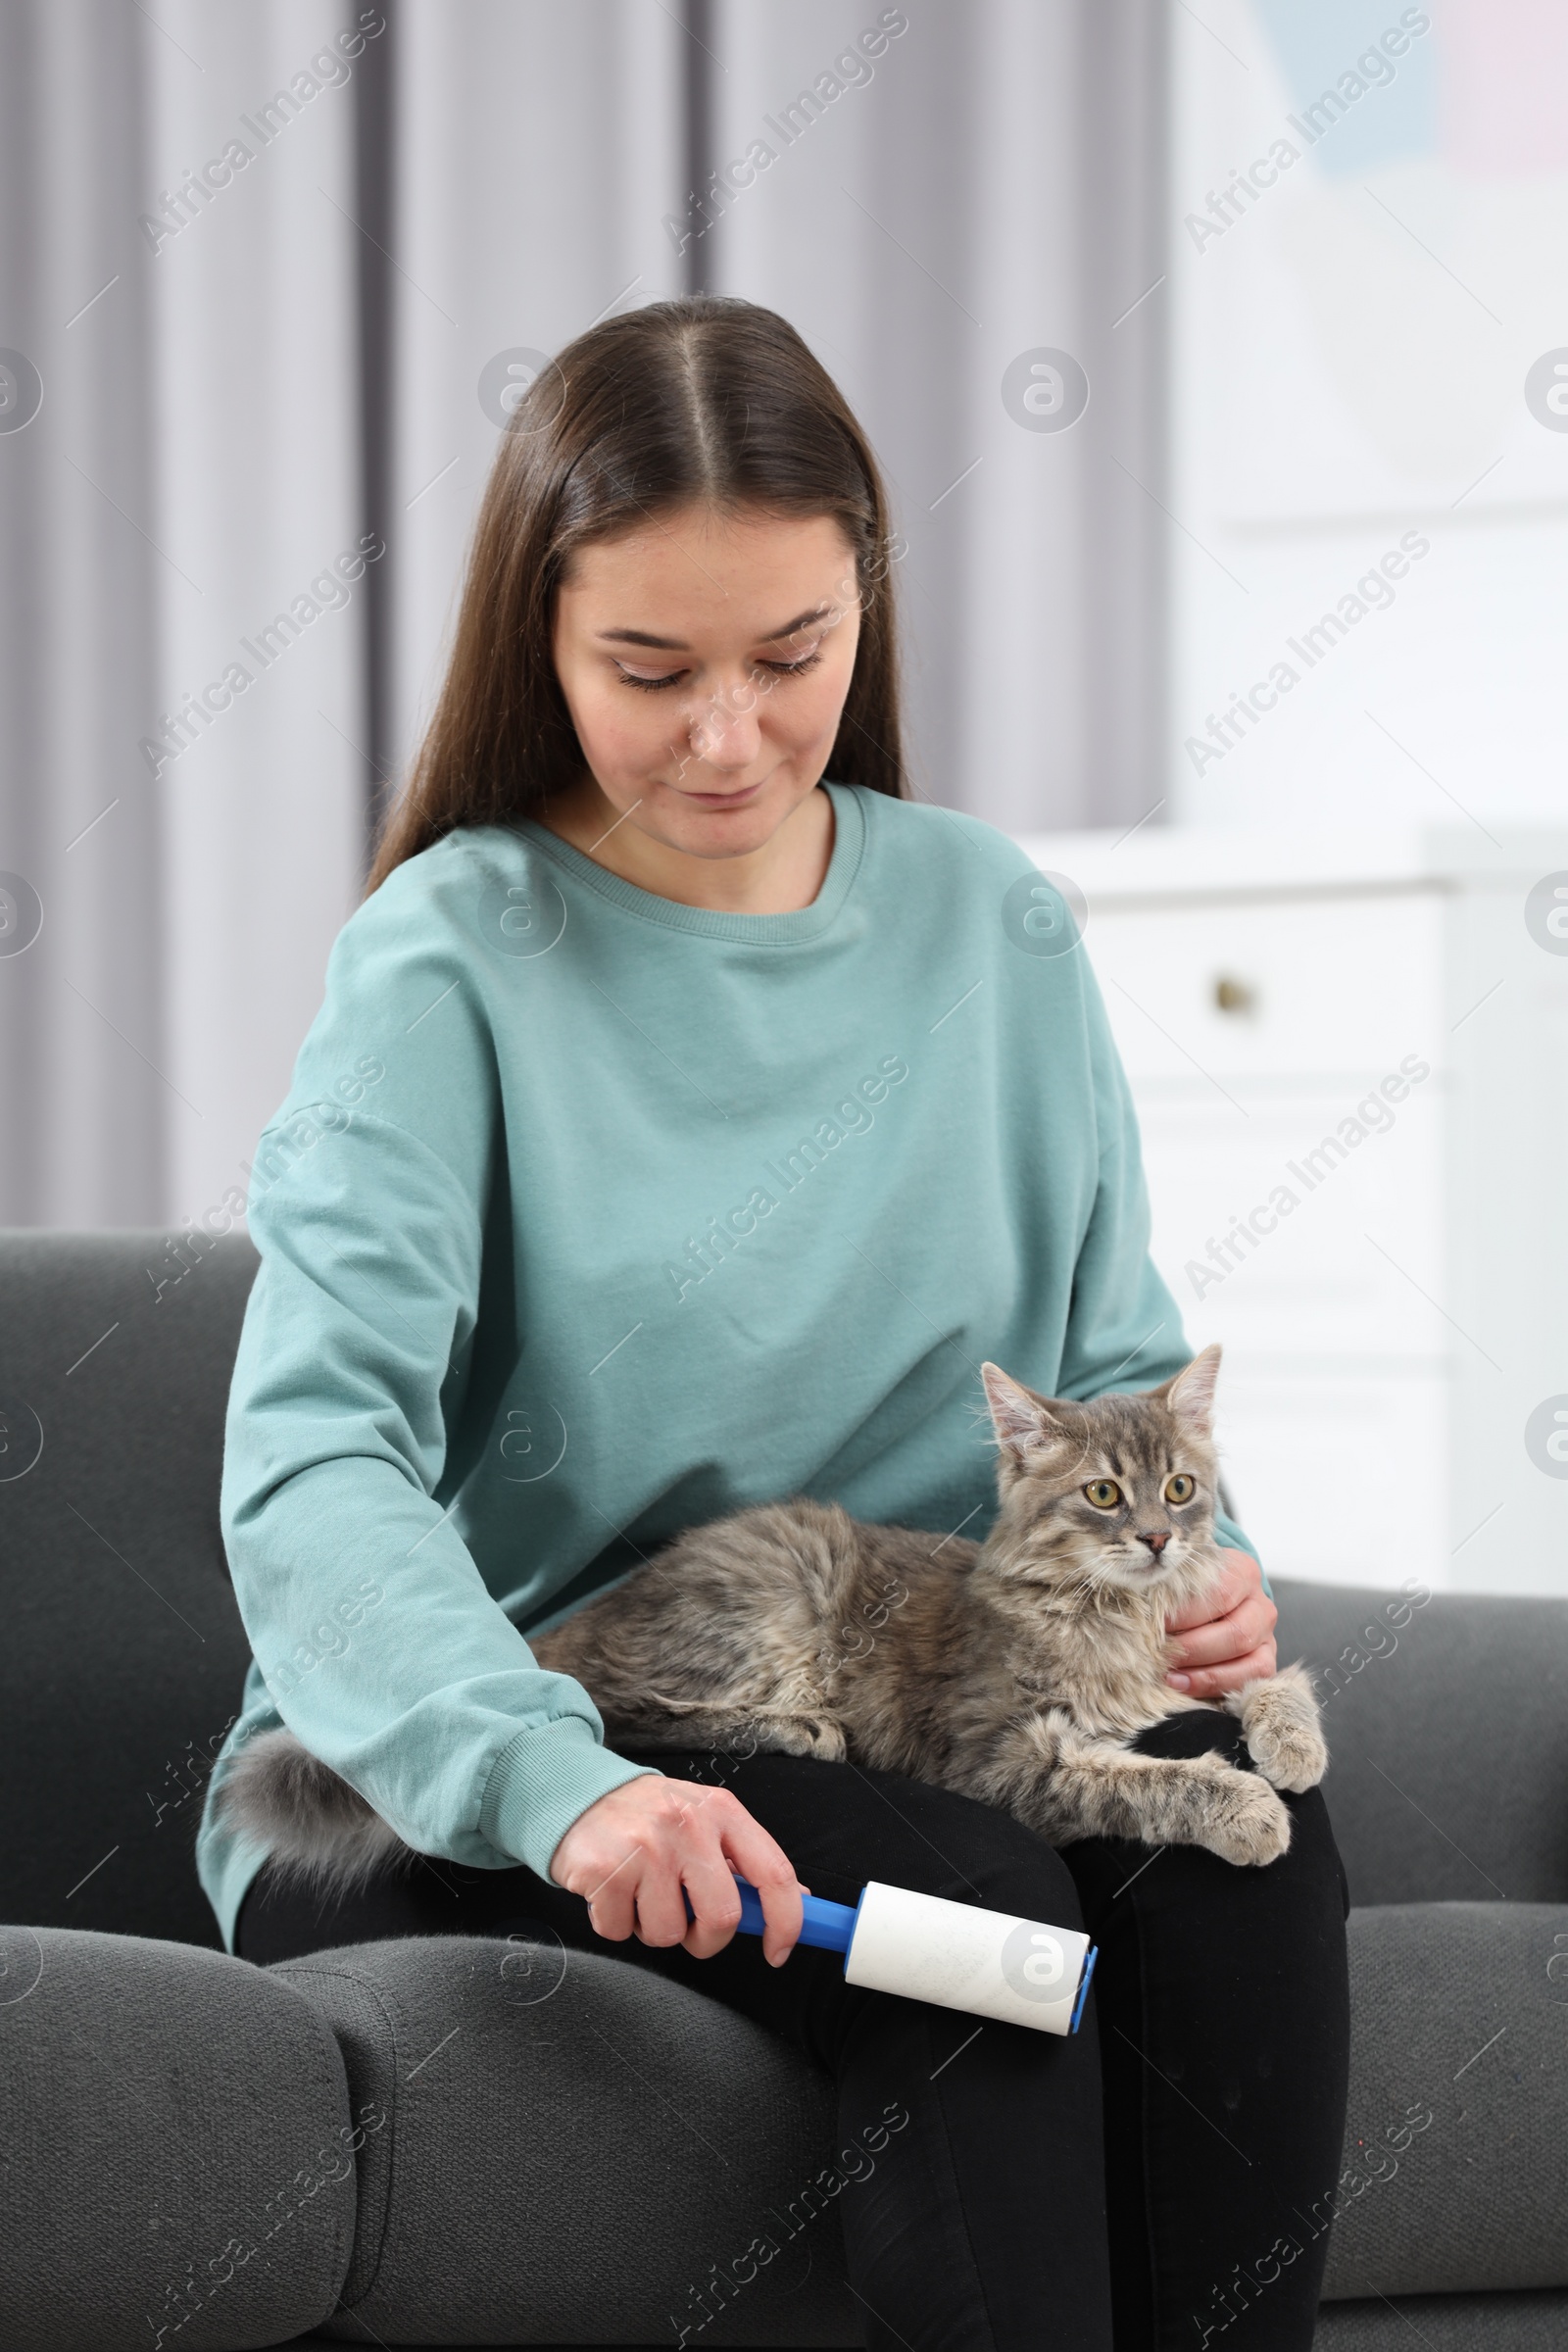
[1149, 2183]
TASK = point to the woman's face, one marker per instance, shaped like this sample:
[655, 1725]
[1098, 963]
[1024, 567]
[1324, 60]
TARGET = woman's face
[705, 659]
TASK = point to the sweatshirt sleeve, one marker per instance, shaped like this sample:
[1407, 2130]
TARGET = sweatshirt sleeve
[1124, 1328]
[381, 1645]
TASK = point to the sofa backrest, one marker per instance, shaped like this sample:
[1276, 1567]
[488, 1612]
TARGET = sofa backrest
[123, 1653]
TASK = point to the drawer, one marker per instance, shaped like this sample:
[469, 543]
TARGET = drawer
[1262, 991]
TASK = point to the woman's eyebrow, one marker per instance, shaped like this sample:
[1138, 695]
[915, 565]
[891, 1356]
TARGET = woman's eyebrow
[678, 645]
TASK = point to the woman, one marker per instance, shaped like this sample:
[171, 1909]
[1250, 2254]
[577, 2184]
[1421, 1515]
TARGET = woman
[689, 1114]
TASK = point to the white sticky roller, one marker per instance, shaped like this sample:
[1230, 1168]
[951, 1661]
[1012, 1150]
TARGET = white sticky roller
[985, 1962]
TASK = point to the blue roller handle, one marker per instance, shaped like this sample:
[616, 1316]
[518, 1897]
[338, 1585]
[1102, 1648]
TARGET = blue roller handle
[829, 1925]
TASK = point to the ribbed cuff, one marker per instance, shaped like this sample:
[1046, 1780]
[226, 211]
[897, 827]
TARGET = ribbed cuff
[541, 1782]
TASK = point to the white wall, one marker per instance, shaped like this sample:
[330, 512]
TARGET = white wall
[1350, 356]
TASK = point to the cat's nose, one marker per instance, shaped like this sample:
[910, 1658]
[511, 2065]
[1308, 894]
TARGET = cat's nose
[1157, 1544]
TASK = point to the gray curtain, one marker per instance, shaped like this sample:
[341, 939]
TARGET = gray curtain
[192, 470]
[84, 1113]
[302, 359]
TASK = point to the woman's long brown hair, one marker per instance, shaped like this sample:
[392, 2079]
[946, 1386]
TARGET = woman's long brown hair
[702, 400]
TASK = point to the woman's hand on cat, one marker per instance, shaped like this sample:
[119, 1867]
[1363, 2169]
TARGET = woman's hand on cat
[1227, 1638]
[636, 1854]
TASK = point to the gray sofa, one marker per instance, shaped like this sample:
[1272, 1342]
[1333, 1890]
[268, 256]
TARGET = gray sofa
[461, 2143]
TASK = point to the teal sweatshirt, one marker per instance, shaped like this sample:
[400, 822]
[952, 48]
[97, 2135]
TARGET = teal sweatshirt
[589, 1218]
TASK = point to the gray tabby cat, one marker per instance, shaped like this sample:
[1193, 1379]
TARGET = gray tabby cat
[1015, 1671]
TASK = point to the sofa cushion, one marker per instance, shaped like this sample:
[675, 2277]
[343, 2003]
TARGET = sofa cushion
[177, 2143]
[1451, 2019]
[1536, 2323]
[1525, 2323]
[579, 2152]
[123, 1654]
[1448, 1732]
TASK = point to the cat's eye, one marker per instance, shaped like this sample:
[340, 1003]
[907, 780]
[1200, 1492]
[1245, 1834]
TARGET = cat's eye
[1180, 1488]
[1104, 1493]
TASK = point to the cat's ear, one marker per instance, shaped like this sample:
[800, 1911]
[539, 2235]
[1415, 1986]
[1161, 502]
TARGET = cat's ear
[1189, 1397]
[1021, 1422]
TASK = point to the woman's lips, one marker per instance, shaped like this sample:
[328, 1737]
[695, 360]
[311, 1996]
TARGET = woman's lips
[722, 800]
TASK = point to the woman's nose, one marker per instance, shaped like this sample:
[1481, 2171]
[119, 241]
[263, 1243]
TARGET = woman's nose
[723, 730]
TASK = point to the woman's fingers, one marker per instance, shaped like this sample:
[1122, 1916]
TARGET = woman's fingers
[1218, 1657]
[715, 1903]
[1247, 1628]
[1212, 1681]
[717, 1842]
[750, 1850]
[609, 1889]
[683, 1851]
[740, 1849]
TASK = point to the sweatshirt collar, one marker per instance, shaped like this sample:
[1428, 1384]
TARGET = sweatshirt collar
[760, 930]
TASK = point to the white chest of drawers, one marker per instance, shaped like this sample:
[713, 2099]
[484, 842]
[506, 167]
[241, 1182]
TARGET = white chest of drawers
[1351, 1065]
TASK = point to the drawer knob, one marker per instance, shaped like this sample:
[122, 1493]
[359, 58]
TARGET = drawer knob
[1234, 996]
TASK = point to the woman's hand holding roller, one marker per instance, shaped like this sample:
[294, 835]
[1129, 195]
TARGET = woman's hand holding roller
[637, 1854]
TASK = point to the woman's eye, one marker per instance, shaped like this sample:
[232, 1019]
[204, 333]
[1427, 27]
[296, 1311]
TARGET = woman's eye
[672, 677]
[1104, 1493]
[1180, 1488]
[794, 669]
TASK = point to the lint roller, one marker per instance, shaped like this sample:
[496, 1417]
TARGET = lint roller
[954, 1954]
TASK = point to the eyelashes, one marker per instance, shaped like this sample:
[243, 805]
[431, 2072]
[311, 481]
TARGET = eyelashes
[779, 669]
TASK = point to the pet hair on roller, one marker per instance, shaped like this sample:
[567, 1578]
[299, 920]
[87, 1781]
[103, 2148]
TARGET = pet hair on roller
[954, 1954]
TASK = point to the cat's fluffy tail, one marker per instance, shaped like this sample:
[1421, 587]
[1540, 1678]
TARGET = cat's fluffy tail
[315, 1826]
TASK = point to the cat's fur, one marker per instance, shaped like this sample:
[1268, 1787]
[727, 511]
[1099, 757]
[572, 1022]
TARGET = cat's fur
[1015, 1671]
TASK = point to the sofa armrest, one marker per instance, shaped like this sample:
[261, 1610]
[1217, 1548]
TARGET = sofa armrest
[175, 2133]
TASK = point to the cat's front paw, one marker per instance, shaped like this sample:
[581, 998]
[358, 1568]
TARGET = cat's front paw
[1291, 1755]
[1243, 1821]
[1283, 1737]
